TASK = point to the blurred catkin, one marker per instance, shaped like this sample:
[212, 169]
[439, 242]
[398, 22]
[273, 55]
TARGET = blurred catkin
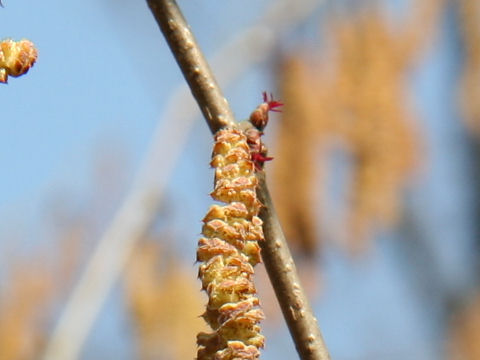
[469, 21]
[357, 96]
[164, 304]
[33, 284]
[23, 301]
[302, 126]
[228, 251]
[463, 341]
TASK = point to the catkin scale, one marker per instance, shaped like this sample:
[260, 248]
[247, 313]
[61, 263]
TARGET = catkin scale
[228, 251]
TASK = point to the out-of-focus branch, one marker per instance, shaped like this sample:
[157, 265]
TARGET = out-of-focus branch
[278, 261]
[140, 205]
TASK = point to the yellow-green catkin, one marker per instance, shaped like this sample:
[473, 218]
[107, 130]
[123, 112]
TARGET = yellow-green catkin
[228, 251]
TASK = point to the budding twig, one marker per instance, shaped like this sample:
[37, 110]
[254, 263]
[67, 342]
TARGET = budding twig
[217, 113]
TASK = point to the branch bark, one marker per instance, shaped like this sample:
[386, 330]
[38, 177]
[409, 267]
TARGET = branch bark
[283, 275]
[216, 110]
[194, 67]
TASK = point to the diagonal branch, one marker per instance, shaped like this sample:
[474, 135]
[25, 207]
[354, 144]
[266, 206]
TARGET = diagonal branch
[194, 67]
[278, 260]
[283, 275]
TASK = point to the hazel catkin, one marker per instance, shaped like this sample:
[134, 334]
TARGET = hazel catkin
[228, 251]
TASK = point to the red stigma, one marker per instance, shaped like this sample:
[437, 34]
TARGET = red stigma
[272, 104]
[259, 159]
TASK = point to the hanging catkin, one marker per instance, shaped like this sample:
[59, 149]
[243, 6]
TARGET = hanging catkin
[229, 247]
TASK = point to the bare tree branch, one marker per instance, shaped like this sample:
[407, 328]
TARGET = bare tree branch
[283, 275]
[278, 260]
[194, 67]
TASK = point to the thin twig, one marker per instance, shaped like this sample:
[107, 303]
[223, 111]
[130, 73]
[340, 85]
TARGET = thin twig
[284, 278]
[194, 67]
[278, 261]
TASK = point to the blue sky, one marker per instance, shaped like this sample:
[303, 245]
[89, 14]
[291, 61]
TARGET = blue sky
[105, 74]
